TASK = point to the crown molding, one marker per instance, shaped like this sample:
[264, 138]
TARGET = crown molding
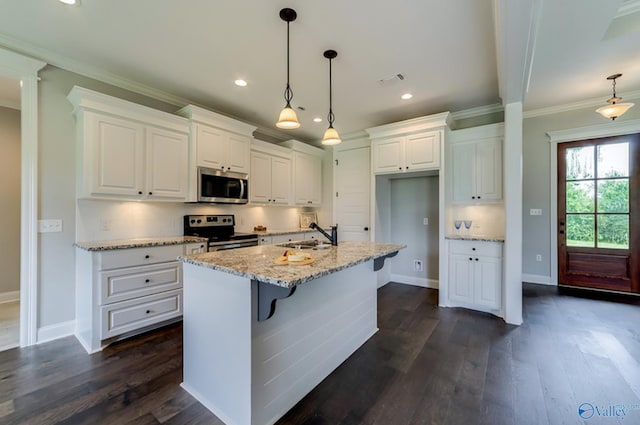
[477, 112]
[6, 103]
[591, 103]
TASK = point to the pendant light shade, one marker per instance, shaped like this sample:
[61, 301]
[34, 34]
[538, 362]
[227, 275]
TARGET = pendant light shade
[288, 119]
[614, 109]
[331, 136]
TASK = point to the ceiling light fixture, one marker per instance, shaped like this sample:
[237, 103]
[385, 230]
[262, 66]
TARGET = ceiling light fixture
[331, 136]
[406, 96]
[614, 109]
[240, 83]
[288, 118]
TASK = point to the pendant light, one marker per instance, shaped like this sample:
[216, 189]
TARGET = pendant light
[331, 136]
[614, 109]
[288, 119]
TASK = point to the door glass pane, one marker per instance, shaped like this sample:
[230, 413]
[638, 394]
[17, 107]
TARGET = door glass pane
[613, 160]
[579, 163]
[580, 230]
[613, 231]
[580, 197]
[613, 196]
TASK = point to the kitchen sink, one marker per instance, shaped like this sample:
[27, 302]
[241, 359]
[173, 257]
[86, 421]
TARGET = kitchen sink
[306, 244]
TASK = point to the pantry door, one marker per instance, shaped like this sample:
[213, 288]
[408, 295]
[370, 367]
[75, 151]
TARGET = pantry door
[598, 213]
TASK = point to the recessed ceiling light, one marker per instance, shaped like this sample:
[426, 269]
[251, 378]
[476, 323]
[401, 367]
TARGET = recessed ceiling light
[316, 119]
[240, 83]
[70, 2]
[406, 96]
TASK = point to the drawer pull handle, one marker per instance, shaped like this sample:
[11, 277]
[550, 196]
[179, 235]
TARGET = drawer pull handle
[147, 280]
[146, 256]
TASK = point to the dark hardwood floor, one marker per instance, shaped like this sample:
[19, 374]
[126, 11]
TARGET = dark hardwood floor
[426, 365]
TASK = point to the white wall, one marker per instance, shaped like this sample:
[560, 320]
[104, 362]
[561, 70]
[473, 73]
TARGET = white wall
[9, 200]
[537, 238]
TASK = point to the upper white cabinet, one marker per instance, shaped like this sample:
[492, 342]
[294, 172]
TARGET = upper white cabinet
[408, 146]
[217, 142]
[128, 151]
[270, 181]
[307, 173]
[475, 158]
[416, 152]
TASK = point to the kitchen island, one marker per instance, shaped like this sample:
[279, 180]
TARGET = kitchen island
[258, 336]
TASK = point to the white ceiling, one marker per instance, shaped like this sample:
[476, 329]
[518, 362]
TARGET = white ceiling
[445, 49]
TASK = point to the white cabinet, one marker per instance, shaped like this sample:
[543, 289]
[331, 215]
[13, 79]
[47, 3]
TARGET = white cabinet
[307, 173]
[307, 179]
[194, 248]
[125, 291]
[414, 152]
[128, 151]
[475, 274]
[220, 149]
[270, 181]
[475, 171]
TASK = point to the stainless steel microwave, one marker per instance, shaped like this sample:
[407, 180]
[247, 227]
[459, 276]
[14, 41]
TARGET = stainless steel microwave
[224, 187]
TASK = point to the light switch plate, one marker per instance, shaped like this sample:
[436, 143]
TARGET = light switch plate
[535, 211]
[50, 226]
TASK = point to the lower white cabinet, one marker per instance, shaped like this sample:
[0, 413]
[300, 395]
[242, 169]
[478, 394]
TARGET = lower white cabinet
[475, 274]
[126, 290]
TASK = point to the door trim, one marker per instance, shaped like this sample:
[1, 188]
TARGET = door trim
[613, 128]
[26, 70]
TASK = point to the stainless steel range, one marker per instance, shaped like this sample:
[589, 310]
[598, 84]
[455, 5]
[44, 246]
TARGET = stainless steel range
[219, 229]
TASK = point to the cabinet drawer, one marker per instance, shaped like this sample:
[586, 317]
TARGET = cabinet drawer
[130, 315]
[133, 282]
[486, 249]
[139, 256]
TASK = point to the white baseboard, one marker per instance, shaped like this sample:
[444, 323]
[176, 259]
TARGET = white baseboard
[7, 297]
[537, 278]
[59, 330]
[415, 281]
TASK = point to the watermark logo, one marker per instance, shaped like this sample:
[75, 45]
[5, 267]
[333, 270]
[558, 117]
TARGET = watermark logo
[590, 410]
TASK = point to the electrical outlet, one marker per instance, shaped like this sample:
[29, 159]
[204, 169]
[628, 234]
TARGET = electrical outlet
[417, 265]
[425, 221]
[538, 257]
[50, 226]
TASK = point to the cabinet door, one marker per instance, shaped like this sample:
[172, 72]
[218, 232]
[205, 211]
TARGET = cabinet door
[489, 170]
[280, 180]
[307, 179]
[167, 162]
[461, 278]
[238, 148]
[462, 172]
[487, 282]
[210, 146]
[388, 156]
[118, 149]
[422, 151]
[260, 179]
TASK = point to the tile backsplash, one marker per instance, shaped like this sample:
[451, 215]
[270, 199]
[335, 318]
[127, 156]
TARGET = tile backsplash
[106, 220]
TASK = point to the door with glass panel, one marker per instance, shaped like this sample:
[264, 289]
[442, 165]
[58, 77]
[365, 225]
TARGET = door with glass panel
[598, 213]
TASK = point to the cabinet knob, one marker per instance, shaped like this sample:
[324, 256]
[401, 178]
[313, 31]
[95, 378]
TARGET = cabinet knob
[147, 281]
[146, 256]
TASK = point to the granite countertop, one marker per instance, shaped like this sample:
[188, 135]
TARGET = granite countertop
[137, 243]
[258, 262]
[479, 238]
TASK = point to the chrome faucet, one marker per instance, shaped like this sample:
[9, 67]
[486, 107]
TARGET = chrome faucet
[333, 237]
